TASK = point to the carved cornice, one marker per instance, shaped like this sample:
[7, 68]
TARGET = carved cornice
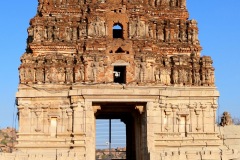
[38, 48]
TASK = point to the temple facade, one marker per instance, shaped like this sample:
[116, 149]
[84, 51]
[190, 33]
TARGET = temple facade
[134, 60]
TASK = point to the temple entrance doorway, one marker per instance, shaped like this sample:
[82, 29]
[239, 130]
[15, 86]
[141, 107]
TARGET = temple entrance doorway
[122, 123]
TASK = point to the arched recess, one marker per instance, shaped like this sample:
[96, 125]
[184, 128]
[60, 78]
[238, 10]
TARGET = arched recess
[117, 30]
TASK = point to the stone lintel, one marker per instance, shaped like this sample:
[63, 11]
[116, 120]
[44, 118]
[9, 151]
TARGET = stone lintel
[148, 91]
[120, 98]
[120, 64]
[100, 92]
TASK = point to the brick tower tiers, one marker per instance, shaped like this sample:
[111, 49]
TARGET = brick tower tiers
[83, 42]
[136, 60]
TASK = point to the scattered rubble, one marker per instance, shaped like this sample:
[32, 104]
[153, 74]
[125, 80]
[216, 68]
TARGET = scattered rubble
[7, 139]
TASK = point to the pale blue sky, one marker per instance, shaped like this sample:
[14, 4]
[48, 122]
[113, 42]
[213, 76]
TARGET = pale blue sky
[219, 34]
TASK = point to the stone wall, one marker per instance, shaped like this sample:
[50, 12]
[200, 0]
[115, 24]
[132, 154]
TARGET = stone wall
[176, 118]
[231, 136]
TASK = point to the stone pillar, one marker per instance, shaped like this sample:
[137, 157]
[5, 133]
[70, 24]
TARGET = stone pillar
[75, 124]
[203, 107]
[214, 107]
[21, 117]
[162, 108]
[69, 125]
[78, 126]
[32, 119]
[38, 113]
[45, 119]
[197, 111]
[174, 108]
[151, 130]
[191, 108]
[78, 117]
[63, 119]
[168, 112]
[90, 131]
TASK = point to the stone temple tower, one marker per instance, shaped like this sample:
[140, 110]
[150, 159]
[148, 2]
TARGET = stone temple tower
[134, 60]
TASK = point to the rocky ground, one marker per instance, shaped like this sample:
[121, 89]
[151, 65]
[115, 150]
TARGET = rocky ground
[7, 139]
[118, 153]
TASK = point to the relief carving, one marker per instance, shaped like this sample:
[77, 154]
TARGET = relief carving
[93, 71]
[38, 34]
[79, 73]
[39, 75]
[29, 75]
[97, 27]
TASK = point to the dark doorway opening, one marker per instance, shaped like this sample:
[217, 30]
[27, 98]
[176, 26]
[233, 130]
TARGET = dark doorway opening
[130, 123]
[118, 31]
[110, 139]
[119, 74]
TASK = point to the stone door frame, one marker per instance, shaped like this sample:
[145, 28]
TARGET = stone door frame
[132, 114]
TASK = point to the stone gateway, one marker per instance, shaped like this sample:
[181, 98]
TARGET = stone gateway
[135, 60]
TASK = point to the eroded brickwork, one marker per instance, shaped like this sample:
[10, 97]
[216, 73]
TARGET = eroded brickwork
[71, 42]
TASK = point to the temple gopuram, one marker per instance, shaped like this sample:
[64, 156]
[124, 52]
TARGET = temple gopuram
[134, 60]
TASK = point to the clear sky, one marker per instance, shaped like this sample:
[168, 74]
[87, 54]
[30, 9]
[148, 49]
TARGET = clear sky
[219, 34]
